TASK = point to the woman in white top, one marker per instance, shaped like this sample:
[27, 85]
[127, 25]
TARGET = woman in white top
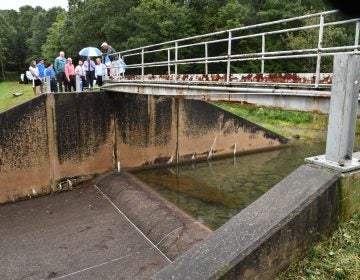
[34, 71]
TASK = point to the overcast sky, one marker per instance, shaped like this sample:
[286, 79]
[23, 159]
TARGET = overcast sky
[46, 4]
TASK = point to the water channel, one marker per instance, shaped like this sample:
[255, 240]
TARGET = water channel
[214, 191]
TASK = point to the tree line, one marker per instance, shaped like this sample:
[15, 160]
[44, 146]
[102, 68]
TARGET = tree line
[31, 33]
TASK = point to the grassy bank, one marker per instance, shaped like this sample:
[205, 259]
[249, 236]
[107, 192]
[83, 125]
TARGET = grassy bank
[7, 90]
[287, 123]
[336, 258]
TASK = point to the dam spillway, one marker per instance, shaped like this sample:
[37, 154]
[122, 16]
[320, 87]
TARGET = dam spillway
[58, 140]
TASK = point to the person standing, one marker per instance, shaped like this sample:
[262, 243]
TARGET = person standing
[41, 67]
[50, 72]
[80, 72]
[113, 56]
[34, 75]
[70, 75]
[59, 67]
[100, 71]
[89, 66]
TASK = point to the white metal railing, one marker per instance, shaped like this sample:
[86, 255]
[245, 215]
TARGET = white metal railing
[170, 49]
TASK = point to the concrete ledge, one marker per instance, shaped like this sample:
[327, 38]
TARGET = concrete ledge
[265, 237]
[170, 229]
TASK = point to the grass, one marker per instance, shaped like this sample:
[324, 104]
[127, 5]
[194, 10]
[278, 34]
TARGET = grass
[284, 122]
[336, 258]
[8, 88]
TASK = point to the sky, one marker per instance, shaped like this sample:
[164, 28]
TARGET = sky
[46, 4]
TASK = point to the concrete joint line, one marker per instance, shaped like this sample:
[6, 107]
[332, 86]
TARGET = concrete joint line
[91, 267]
[117, 209]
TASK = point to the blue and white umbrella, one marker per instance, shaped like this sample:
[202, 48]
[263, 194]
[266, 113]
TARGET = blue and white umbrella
[90, 51]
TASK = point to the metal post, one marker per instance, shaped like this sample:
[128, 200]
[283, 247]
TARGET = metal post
[229, 58]
[263, 51]
[320, 42]
[357, 30]
[176, 59]
[142, 64]
[47, 84]
[342, 115]
[343, 107]
[169, 57]
[206, 59]
[77, 79]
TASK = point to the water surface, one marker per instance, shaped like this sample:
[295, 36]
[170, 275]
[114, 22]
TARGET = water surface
[214, 191]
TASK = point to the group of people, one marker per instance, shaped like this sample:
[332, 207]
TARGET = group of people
[62, 73]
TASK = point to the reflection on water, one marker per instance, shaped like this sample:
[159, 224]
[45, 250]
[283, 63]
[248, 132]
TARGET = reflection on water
[216, 190]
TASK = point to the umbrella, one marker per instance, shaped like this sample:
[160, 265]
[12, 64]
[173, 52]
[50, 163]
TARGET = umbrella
[90, 51]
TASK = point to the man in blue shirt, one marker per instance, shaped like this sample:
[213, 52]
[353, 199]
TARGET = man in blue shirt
[41, 68]
[59, 67]
[49, 72]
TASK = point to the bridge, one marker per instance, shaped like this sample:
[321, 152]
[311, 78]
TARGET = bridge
[208, 66]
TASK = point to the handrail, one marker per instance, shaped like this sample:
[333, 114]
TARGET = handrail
[171, 58]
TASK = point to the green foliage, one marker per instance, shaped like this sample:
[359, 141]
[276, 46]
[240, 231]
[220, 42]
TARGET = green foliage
[231, 15]
[154, 21]
[34, 32]
[54, 42]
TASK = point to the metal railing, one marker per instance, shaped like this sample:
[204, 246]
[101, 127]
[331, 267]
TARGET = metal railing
[168, 53]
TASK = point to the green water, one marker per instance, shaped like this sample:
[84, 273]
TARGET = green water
[214, 191]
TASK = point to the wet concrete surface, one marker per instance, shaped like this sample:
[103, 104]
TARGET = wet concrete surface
[77, 234]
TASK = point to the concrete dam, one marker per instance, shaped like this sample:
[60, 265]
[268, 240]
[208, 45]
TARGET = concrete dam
[113, 225]
[55, 141]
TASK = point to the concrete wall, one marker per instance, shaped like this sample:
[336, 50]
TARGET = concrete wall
[54, 141]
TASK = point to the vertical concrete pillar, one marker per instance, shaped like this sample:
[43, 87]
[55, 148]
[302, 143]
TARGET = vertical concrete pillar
[51, 134]
[343, 107]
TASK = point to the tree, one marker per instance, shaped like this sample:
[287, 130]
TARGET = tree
[54, 41]
[154, 21]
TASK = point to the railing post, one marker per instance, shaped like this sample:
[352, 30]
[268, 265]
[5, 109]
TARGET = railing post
[142, 65]
[77, 83]
[357, 30]
[343, 107]
[228, 73]
[176, 59]
[47, 84]
[206, 59]
[263, 51]
[342, 115]
[318, 60]
[169, 57]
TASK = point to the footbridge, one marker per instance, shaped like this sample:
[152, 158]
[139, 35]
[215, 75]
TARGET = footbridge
[285, 63]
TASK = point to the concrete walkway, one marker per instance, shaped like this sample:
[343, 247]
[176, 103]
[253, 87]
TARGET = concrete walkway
[77, 234]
